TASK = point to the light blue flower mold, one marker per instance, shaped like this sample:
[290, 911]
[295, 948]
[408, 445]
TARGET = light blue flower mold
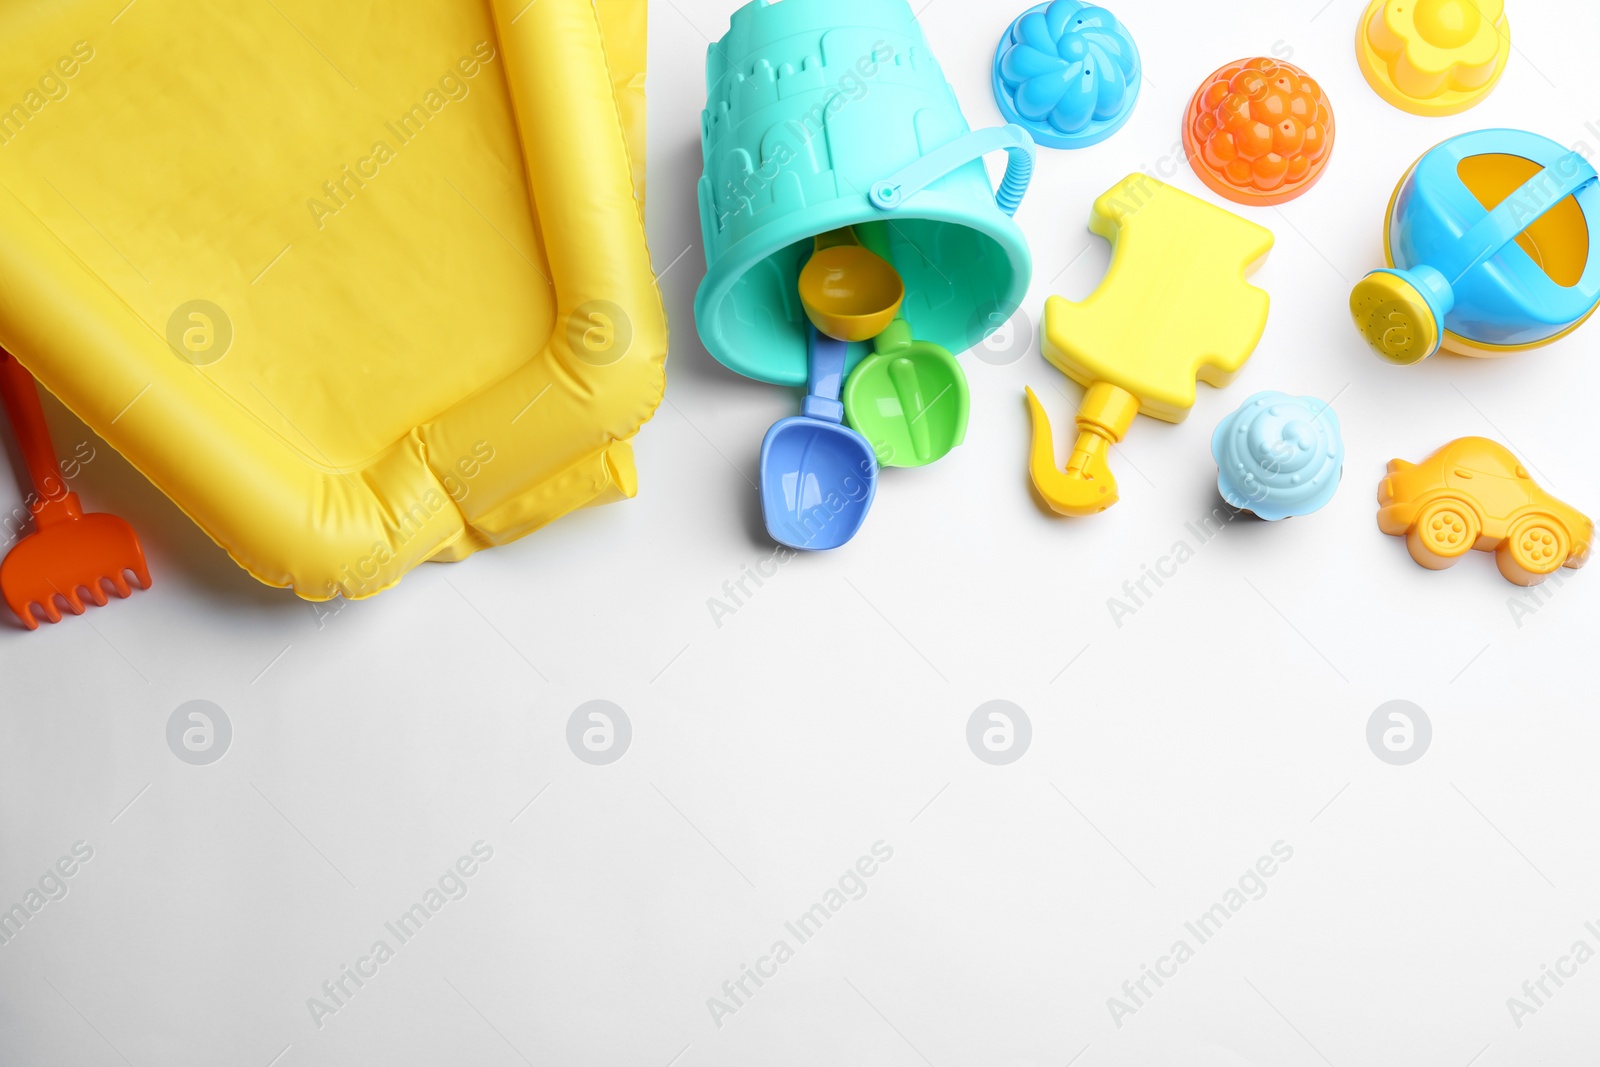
[1068, 73]
[1279, 455]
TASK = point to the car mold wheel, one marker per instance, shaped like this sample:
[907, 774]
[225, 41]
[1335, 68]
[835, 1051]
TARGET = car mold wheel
[1445, 530]
[1536, 547]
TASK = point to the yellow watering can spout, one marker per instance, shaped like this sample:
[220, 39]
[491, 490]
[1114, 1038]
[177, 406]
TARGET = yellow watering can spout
[1087, 486]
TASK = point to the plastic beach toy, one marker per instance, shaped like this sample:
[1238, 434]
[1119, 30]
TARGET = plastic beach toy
[818, 477]
[416, 320]
[909, 398]
[1174, 306]
[1473, 494]
[68, 550]
[1068, 73]
[1259, 131]
[1278, 455]
[824, 114]
[1433, 57]
[848, 292]
[1490, 250]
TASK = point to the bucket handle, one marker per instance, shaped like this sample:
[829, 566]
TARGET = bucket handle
[1016, 141]
[1535, 199]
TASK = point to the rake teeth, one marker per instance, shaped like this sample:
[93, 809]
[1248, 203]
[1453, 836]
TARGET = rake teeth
[48, 603]
[119, 581]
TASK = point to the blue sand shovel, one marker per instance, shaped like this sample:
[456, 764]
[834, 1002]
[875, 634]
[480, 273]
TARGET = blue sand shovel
[818, 477]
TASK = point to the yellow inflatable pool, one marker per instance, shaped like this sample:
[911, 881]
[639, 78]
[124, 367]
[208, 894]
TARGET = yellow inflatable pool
[357, 285]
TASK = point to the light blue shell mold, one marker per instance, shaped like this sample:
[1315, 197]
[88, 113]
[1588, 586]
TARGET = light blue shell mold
[1068, 73]
[1279, 455]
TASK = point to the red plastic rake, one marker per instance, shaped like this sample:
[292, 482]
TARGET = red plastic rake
[67, 550]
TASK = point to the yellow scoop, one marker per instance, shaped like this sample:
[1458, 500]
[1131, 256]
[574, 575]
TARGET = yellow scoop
[849, 293]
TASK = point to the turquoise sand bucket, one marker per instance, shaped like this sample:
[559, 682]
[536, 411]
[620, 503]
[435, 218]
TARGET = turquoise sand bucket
[823, 114]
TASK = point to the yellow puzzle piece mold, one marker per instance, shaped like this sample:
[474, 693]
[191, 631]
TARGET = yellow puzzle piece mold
[1173, 307]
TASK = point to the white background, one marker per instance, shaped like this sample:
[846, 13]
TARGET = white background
[372, 748]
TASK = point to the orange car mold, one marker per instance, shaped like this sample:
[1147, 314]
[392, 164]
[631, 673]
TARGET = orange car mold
[1474, 494]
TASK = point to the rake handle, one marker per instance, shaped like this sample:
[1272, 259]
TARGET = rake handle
[21, 397]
